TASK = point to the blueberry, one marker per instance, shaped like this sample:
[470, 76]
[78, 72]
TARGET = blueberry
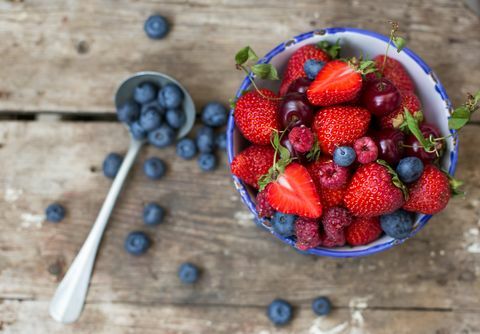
[175, 118]
[170, 96]
[207, 162]
[186, 148]
[188, 273]
[283, 224]
[145, 92]
[153, 214]
[312, 67]
[137, 243]
[128, 112]
[55, 213]
[410, 169]
[205, 139]
[156, 27]
[162, 136]
[344, 156]
[154, 168]
[137, 131]
[279, 312]
[112, 164]
[221, 141]
[397, 225]
[214, 114]
[321, 306]
[150, 118]
[153, 104]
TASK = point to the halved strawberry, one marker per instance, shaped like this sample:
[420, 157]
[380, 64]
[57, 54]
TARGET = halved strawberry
[294, 192]
[337, 82]
[253, 162]
[295, 69]
[256, 115]
[395, 72]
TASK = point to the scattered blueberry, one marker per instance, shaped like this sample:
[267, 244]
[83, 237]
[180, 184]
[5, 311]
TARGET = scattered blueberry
[205, 139]
[175, 118]
[128, 112]
[221, 141]
[214, 114]
[279, 312]
[137, 243]
[145, 92]
[283, 224]
[154, 168]
[170, 96]
[321, 306]
[137, 131]
[156, 27]
[55, 213]
[410, 169]
[162, 136]
[312, 67]
[112, 164]
[186, 148]
[188, 273]
[150, 119]
[207, 162]
[397, 225]
[153, 214]
[344, 156]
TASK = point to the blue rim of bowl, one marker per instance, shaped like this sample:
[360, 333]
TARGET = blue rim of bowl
[240, 186]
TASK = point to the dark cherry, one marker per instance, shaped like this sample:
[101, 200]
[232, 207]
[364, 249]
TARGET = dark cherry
[390, 145]
[299, 85]
[380, 96]
[416, 149]
[295, 111]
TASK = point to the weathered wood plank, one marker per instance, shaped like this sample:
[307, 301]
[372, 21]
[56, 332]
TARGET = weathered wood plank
[206, 224]
[29, 317]
[69, 56]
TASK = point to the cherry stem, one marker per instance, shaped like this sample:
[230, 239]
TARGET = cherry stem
[392, 34]
[255, 85]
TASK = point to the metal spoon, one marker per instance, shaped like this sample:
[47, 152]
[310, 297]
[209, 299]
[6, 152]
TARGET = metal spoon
[67, 303]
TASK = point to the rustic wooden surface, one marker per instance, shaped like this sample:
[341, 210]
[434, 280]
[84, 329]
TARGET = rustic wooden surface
[68, 56]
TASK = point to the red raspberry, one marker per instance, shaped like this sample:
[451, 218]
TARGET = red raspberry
[337, 240]
[301, 138]
[363, 231]
[332, 176]
[264, 209]
[308, 233]
[366, 150]
[336, 219]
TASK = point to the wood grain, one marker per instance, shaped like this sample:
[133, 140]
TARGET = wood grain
[243, 268]
[68, 56]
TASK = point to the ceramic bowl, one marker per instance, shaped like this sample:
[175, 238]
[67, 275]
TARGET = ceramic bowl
[354, 42]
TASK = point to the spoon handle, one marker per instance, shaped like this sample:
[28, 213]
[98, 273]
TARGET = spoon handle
[67, 303]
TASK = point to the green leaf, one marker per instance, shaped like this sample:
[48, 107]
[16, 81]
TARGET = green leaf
[233, 103]
[314, 152]
[332, 50]
[399, 43]
[459, 118]
[265, 71]
[412, 124]
[244, 55]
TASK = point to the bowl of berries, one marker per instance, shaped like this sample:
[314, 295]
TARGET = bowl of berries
[342, 142]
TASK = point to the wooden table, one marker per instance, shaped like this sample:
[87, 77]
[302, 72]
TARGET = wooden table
[60, 62]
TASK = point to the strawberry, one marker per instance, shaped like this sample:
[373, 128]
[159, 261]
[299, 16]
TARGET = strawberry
[340, 125]
[395, 72]
[363, 230]
[295, 69]
[372, 191]
[328, 197]
[256, 115]
[429, 194]
[396, 118]
[252, 163]
[337, 82]
[294, 192]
